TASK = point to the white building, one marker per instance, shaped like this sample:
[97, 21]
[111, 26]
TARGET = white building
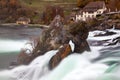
[91, 10]
[23, 20]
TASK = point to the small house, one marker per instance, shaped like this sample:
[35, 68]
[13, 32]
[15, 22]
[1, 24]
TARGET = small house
[91, 10]
[23, 20]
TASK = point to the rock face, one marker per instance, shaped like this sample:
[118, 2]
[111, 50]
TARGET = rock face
[50, 39]
[54, 37]
[78, 33]
[47, 41]
[63, 52]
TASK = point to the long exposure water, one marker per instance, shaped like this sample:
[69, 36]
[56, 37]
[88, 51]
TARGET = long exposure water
[102, 63]
[12, 39]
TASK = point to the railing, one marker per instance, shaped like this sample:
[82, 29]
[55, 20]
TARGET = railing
[110, 13]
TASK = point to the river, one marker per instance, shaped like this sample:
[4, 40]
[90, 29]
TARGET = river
[12, 39]
[102, 63]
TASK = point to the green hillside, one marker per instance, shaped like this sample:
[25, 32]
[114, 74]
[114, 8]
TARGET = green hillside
[40, 4]
[33, 9]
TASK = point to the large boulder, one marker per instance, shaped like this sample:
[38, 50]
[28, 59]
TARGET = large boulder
[78, 34]
[60, 55]
[50, 39]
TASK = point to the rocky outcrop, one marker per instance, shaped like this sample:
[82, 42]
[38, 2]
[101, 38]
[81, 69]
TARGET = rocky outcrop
[50, 39]
[65, 51]
[79, 34]
[56, 36]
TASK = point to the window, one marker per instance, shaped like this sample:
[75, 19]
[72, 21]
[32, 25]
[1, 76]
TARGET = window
[84, 15]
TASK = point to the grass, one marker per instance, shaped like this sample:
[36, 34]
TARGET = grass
[40, 4]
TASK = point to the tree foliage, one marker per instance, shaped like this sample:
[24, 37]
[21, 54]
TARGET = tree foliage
[13, 3]
[50, 12]
[112, 4]
[11, 10]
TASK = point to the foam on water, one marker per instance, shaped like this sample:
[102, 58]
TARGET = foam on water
[11, 45]
[93, 33]
[112, 73]
[74, 67]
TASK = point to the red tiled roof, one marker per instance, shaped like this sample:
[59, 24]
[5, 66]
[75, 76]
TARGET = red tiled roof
[93, 6]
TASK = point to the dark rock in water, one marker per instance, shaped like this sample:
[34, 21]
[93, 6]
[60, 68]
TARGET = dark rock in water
[56, 36]
[13, 65]
[63, 52]
[97, 43]
[78, 33]
[107, 33]
[117, 26]
[108, 42]
[23, 58]
[114, 41]
[50, 39]
[118, 39]
[79, 48]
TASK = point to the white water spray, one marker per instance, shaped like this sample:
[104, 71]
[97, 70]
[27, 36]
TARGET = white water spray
[73, 67]
[11, 45]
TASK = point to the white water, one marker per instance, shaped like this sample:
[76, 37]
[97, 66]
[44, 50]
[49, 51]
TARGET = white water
[92, 34]
[73, 67]
[11, 45]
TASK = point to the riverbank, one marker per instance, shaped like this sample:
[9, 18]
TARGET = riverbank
[20, 25]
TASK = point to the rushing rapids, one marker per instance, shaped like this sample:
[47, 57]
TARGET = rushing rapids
[102, 63]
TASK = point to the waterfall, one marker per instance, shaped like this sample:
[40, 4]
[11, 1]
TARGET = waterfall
[102, 63]
[73, 67]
